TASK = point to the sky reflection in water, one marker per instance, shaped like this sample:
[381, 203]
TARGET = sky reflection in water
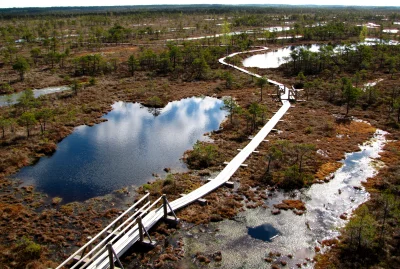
[125, 150]
[274, 58]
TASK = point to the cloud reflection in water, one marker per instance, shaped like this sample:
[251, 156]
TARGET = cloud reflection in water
[125, 150]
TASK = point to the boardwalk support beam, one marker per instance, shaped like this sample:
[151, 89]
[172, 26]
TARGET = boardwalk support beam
[228, 184]
[171, 219]
[88, 248]
[112, 255]
[142, 231]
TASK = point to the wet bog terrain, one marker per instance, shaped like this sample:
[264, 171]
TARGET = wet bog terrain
[256, 237]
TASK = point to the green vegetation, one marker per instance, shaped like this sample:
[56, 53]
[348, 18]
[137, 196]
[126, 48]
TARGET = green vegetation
[21, 66]
[261, 82]
[350, 93]
[3, 125]
[27, 119]
[43, 116]
[255, 112]
[154, 101]
[75, 86]
[169, 184]
[331, 60]
[228, 80]
[232, 107]
[132, 65]
[33, 250]
[28, 249]
[202, 156]
[293, 160]
[6, 88]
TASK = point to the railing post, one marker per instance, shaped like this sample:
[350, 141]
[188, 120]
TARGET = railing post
[165, 204]
[88, 248]
[140, 224]
[142, 231]
[110, 256]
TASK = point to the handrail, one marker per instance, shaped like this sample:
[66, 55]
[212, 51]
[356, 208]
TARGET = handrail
[99, 234]
[99, 253]
[108, 237]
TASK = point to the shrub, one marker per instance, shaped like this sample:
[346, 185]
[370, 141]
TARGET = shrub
[169, 180]
[146, 187]
[308, 130]
[293, 179]
[56, 200]
[5, 88]
[28, 249]
[92, 81]
[169, 185]
[154, 101]
[328, 129]
[202, 155]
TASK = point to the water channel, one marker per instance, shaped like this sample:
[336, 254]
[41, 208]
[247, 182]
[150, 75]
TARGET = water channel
[245, 241]
[126, 150]
[271, 29]
[10, 99]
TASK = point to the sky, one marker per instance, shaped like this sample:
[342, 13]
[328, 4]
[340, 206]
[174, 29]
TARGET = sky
[52, 3]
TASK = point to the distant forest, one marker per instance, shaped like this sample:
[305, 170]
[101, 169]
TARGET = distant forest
[8, 13]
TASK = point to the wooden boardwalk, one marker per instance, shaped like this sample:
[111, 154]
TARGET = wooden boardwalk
[286, 93]
[123, 237]
[222, 61]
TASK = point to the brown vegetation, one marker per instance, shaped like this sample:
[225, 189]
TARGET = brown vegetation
[291, 204]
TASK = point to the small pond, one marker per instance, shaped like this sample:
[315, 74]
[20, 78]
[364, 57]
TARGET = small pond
[274, 58]
[373, 41]
[271, 29]
[134, 143]
[10, 99]
[277, 28]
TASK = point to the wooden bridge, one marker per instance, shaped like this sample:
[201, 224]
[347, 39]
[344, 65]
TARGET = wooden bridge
[103, 250]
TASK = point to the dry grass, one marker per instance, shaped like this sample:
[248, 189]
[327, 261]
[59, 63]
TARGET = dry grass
[355, 128]
[291, 204]
[326, 169]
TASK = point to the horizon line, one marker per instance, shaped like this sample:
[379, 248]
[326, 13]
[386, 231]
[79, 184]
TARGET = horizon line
[158, 5]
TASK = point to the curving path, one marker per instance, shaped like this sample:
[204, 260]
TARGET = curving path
[132, 236]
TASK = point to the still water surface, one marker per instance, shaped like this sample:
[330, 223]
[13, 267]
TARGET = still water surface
[125, 150]
[10, 99]
[274, 58]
